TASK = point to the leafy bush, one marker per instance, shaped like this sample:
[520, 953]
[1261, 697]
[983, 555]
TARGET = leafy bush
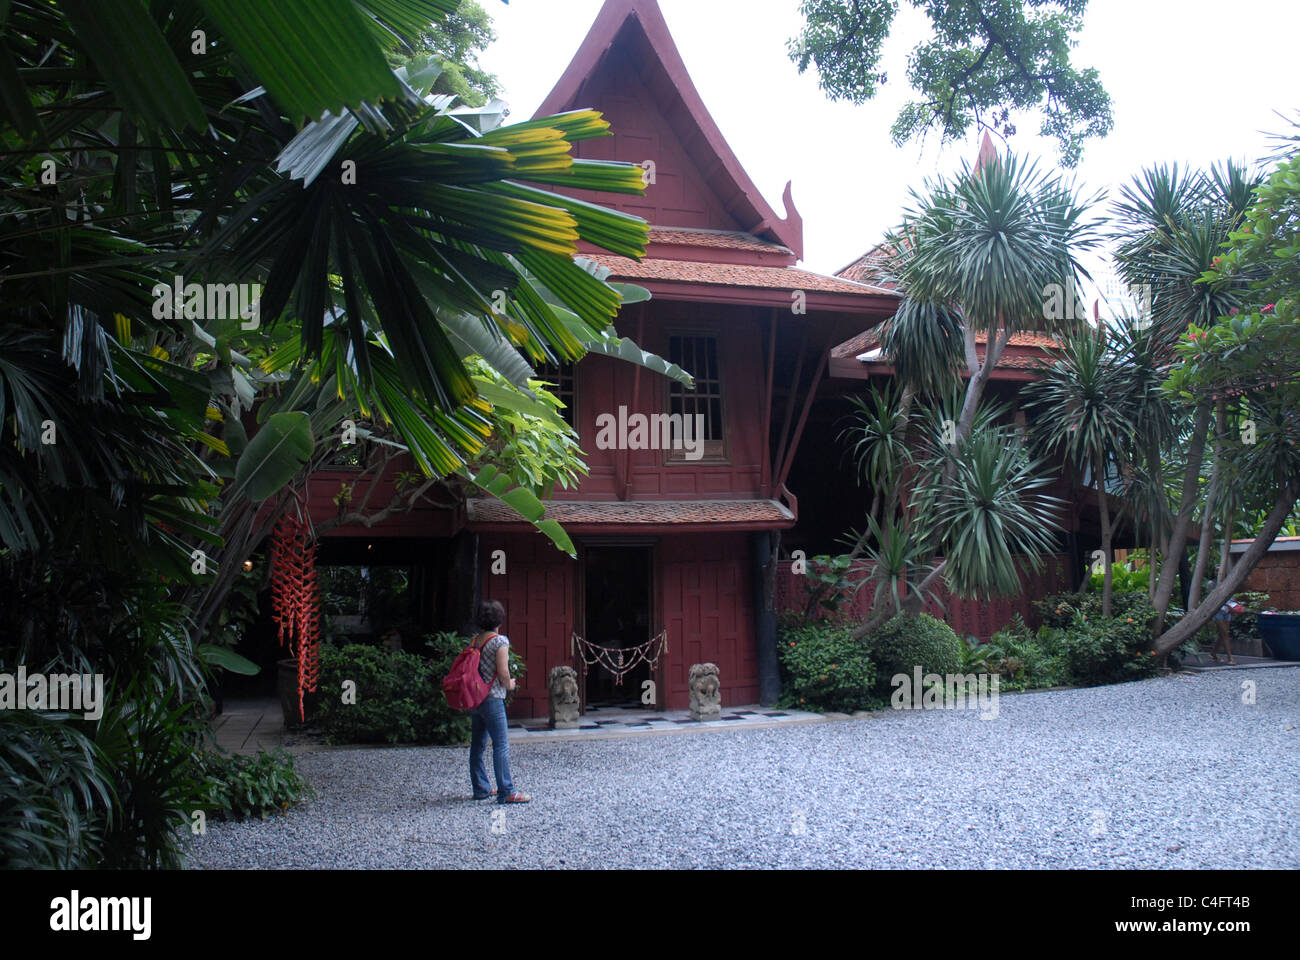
[399, 695]
[53, 791]
[828, 584]
[239, 786]
[146, 745]
[1100, 651]
[904, 643]
[974, 655]
[1122, 580]
[1058, 611]
[826, 669]
[1026, 660]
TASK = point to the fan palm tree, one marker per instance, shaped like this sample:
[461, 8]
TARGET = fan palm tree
[395, 236]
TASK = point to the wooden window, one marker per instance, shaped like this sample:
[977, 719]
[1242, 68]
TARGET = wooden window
[565, 381]
[698, 355]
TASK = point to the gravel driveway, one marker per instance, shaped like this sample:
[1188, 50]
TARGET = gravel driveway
[1171, 772]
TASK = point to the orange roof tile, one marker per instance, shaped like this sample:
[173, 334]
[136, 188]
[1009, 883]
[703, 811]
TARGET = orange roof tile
[867, 268]
[569, 512]
[718, 239]
[732, 275]
[870, 339]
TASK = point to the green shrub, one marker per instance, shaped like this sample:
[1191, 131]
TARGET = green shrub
[904, 643]
[398, 694]
[828, 584]
[1122, 580]
[975, 656]
[1026, 660]
[1059, 610]
[1100, 651]
[239, 786]
[826, 669]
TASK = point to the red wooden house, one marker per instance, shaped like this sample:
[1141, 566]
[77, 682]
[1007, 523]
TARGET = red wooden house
[668, 542]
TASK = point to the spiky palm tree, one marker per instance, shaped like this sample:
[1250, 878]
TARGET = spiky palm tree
[1078, 411]
[979, 256]
[1171, 227]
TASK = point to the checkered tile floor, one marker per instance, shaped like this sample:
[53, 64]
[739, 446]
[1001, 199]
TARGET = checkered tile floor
[635, 718]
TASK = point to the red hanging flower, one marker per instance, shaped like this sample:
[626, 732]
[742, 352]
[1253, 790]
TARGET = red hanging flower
[295, 599]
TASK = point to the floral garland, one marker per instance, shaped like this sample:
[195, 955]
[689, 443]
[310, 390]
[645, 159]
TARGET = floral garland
[621, 661]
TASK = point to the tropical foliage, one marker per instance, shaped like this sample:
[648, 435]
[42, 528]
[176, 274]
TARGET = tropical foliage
[219, 252]
[973, 259]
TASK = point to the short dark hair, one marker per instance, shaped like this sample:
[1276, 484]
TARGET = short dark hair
[490, 615]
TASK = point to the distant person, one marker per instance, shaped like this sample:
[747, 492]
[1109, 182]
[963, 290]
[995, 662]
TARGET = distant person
[489, 717]
[1223, 624]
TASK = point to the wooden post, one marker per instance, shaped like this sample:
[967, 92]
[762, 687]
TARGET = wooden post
[789, 404]
[765, 482]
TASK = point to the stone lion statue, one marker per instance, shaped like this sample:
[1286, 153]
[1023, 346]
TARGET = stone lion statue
[706, 692]
[562, 682]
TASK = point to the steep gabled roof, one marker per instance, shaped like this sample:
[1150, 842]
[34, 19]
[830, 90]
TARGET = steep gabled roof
[640, 25]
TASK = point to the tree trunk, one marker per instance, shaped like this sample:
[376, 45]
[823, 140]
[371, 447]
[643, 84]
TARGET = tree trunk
[1157, 487]
[1152, 553]
[1103, 506]
[1225, 550]
[1183, 522]
[1207, 522]
[904, 417]
[1187, 627]
[979, 378]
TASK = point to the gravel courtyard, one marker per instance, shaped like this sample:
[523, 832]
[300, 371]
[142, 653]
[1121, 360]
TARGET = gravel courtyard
[1174, 772]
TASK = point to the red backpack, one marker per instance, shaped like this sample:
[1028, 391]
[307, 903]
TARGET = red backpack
[464, 687]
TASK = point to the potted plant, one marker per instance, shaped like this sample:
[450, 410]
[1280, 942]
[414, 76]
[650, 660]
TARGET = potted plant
[286, 685]
[1280, 629]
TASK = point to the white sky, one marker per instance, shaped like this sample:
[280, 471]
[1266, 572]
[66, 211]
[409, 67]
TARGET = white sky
[1191, 81]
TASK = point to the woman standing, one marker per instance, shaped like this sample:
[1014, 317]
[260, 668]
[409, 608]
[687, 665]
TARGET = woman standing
[1223, 628]
[489, 717]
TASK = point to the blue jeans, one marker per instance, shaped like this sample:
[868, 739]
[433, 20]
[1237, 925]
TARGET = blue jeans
[488, 719]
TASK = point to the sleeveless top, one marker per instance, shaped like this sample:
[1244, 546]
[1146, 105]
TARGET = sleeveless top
[487, 664]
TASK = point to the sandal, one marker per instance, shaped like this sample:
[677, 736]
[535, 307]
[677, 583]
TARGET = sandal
[484, 796]
[517, 797]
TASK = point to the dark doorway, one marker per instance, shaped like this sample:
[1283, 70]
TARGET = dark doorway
[618, 592]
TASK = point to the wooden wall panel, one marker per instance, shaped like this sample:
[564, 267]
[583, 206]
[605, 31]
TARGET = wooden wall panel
[605, 384]
[708, 612]
[538, 590]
